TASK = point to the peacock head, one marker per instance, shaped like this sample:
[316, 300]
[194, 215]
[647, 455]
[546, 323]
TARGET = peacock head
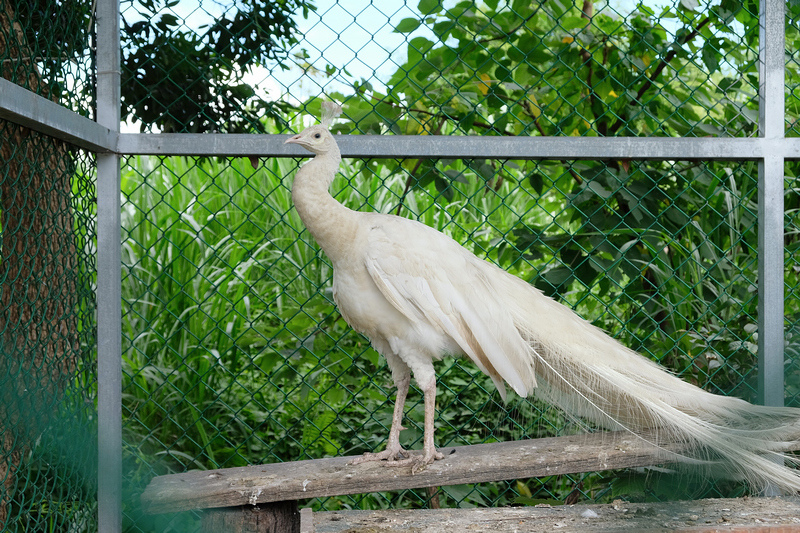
[317, 139]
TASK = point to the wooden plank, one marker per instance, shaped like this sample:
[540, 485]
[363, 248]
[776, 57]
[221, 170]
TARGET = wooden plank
[334, 476]
[757, 515]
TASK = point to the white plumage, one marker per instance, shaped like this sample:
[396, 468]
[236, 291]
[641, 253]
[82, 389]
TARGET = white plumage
[418, 295]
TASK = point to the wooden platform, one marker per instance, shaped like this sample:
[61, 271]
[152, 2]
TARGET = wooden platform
[249, 485]
[264, 498]
[756, 515]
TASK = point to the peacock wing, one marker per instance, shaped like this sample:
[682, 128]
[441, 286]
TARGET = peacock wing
[430, 278]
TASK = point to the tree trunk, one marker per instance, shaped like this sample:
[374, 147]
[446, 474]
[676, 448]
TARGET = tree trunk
[38, 290]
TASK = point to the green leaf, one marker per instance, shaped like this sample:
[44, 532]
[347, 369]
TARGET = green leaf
[407, 25]
[420, 44]
[728, 9]
[455, 175]
[426, 7]
[554, 281]
[485, 171]
[711, 55]
[537, 182]
[502, 73]
[598, 189]
[443, 186]
[570, 23]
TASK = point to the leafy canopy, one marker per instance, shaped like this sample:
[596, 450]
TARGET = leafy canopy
[192, 80]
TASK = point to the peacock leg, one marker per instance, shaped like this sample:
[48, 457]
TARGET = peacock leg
[393, 449]
[429, 453]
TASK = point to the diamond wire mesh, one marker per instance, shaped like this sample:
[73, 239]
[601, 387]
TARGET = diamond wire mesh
[45, 46]
[47, 373]
[792, 70]
[48, 380]
[792, 269]
[234, 352]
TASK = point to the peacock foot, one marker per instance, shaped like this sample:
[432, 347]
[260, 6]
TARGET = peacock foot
[391, 455]
[418, 463]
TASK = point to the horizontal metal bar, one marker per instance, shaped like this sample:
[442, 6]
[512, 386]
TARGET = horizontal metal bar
[464, 147]
[28, 109]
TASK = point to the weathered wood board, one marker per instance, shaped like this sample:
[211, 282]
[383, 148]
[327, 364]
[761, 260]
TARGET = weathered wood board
[334, 476]
[752, 515]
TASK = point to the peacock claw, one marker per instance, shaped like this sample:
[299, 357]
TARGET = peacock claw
[391, 456]
[401, 457]
[417, 462]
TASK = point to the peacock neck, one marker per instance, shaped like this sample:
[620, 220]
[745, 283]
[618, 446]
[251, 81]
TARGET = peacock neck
[331, 224]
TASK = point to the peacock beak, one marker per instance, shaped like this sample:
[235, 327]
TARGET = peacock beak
[293, 140]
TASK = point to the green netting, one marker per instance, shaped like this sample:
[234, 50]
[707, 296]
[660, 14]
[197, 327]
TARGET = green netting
[45, 46]
[235, 353]
[48, 384]
[792, 279]
[500, 68]
[48, 450]
[793, 71]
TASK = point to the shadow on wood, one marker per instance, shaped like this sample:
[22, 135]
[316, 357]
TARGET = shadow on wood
[278, 517]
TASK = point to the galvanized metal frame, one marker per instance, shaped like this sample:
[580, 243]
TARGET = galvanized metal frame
[771, 149]
[772, 64]
[109, 274]
[399, 146]
[25, 108]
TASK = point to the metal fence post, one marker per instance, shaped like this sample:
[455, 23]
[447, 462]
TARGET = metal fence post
[770, 203]
[109, 299]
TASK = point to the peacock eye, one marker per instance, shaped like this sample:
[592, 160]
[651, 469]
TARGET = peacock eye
[317, 135]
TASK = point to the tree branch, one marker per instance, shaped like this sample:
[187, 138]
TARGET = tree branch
[587, 12]
[660, 68]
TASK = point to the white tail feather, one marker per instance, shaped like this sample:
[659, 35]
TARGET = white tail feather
[592, 376]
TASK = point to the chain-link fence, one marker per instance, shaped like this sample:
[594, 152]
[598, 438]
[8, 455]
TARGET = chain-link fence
[233, 352]
[48, 422]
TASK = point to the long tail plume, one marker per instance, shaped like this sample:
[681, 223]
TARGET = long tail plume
[579, 368]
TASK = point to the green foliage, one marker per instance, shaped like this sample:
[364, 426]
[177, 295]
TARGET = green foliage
[185, 79]
[549, 68]
[235, 353]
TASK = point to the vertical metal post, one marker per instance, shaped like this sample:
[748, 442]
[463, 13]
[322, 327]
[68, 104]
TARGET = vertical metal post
[770, 203]
[109, 298]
